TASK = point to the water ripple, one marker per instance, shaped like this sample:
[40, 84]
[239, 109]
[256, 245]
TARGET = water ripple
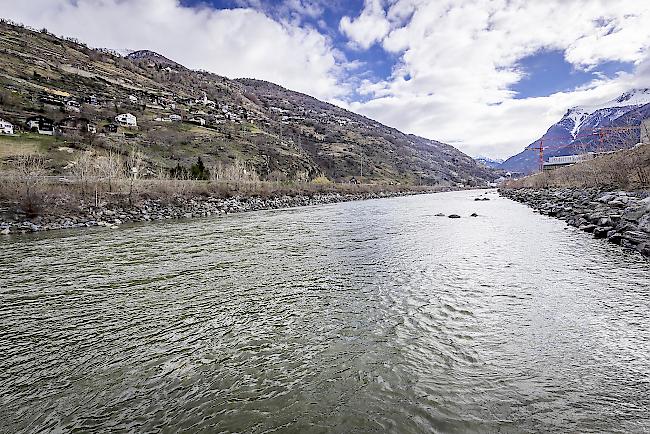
[369, 316]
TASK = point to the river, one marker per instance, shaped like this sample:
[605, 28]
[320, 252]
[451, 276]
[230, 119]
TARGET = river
[367, 316]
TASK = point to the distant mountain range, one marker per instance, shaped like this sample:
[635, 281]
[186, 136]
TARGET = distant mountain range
[489, 162]
[588, 129]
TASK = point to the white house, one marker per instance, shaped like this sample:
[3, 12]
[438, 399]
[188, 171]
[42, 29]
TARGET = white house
[175, 118]
[6, 127]
[205, 101]
[198, 121]
[72, 106]
[126, 120]
[133, 99]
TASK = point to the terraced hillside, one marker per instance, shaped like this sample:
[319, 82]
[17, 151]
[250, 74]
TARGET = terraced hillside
[184, 114]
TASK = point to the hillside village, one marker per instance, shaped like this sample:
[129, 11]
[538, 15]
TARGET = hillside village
[59, 98]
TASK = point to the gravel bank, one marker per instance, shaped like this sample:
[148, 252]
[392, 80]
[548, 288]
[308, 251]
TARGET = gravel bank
[156, 210]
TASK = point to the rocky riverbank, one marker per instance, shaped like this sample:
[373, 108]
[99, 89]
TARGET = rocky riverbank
[618, 216]
[156, 210]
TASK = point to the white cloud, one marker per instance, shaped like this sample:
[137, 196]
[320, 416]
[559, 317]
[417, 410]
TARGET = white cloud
[234, 43]
[458, 62]
[371, 26]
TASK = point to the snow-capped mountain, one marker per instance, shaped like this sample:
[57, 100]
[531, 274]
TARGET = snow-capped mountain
[489, 162]
[577, 131]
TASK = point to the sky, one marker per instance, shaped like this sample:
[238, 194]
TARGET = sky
[486, 76]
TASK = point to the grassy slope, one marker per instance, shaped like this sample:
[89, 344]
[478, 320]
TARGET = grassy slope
[35, 64]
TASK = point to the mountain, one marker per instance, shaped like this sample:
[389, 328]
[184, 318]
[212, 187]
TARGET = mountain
[589, 129]
[184, 114]
[121, 52]
[489, 162]
[153, 58]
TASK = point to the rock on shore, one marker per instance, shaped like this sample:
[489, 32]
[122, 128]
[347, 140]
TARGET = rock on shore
[157, 210]
[620, 217]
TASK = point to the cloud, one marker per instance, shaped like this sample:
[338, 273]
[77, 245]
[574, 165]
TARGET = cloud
[458, 62]
[369, 27]
[235, 43]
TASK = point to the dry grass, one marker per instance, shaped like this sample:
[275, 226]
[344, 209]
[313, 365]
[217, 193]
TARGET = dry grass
[108, 180]
[627, 169]
[9, 147]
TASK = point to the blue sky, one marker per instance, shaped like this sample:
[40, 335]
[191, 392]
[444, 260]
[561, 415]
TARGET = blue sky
[488, 76]
[547, 72]
[544, 72]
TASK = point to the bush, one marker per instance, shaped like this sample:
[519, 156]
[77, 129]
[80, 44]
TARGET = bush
[321, 180]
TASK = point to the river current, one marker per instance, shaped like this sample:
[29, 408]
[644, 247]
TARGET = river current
[369, 316]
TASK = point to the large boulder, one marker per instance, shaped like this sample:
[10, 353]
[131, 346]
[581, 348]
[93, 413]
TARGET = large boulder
[644, 223]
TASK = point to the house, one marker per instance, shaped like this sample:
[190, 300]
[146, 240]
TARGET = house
[72, 106]
[110, 128]
[6, 127]
[92, 100]
[133, 99]
[77, 124]
[198, 121]
[53, 100]
[127, 120]
[566, 160]
[41, 125]
[205, 101]
[175, 118]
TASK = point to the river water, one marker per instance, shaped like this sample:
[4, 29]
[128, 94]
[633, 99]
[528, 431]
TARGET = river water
[367, 316]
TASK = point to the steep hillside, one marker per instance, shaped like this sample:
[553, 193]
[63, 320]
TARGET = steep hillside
[183, 114]
[603, 127]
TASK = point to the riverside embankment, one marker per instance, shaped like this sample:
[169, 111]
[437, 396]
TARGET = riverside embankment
[621, 217]
[113, 215]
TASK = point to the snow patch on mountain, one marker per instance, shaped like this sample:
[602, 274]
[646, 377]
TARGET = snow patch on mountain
[581, 125]
[634, 97]
[488, 162]
[577, 115]
[594, 116]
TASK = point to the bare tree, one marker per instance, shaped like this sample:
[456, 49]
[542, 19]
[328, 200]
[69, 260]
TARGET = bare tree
[29, 171]
[135, 168]
[111, 168]
[83, 168]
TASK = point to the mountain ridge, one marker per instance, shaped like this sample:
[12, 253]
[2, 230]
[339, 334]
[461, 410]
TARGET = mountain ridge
[278, 133]
[578, 130]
